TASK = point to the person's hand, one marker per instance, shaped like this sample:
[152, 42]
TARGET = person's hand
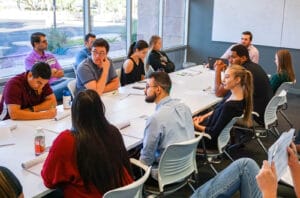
[198, 119]
[105, 63]
[267, 179]
[220, 65]
[53, 72]
[51, 112]
[292, 156]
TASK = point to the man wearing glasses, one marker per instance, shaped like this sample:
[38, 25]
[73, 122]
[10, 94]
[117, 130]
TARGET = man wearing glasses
[38, 54]
[97, 72]
[171, 123]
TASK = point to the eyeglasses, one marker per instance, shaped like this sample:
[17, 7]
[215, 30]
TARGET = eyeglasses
[102, 53]
[148, 86]
[44, 41]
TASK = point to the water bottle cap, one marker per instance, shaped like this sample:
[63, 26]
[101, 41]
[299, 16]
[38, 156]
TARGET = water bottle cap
[66, 92]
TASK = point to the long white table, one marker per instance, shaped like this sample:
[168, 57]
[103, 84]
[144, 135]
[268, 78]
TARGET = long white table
[193, 86]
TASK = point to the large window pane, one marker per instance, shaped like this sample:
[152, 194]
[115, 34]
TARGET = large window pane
[20, 18]
[173, 23]
[145, 17]
[109, 22]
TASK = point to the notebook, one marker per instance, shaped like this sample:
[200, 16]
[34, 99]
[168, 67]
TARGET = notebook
[212, 60]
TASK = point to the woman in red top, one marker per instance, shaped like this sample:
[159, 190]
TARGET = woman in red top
[90, 159]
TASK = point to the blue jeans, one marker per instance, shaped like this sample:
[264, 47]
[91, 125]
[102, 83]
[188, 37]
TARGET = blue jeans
[59, 85]
[239, 175]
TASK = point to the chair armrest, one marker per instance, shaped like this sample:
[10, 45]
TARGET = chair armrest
[255, 113]
[203, 134]
[139, 164]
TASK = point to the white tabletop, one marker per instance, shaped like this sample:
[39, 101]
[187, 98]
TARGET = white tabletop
[193, 86]
[23, 150]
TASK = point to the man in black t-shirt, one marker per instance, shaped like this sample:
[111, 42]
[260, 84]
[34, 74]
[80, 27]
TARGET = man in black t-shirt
[262, 88]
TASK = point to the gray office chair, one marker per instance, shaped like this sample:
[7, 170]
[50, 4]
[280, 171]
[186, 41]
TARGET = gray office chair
[283, 105]
[72, 87]
[135, 189]
[176, 167]
[223, 140]
[270, 121]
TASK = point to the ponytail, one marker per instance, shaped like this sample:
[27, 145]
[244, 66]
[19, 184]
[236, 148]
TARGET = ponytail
[247, 85]
[131, 49]
[140, 45]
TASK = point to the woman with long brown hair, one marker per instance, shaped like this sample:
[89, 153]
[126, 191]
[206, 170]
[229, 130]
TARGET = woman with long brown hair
[90, 159]
[285, 70]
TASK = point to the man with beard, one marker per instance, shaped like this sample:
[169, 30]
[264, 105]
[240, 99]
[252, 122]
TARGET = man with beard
[171, 123]
[57, 81]
[87, 50]
[246, 40]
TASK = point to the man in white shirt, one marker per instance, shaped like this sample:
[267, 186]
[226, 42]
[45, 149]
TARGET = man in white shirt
[246, 40]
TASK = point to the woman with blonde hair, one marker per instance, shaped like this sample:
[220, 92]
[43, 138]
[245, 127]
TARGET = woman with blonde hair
[237, 102]
[157, 58]
[285, 70]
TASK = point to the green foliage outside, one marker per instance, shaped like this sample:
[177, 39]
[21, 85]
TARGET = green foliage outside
[57, 41]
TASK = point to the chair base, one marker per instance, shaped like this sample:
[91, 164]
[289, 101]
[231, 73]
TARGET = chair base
[153, 190]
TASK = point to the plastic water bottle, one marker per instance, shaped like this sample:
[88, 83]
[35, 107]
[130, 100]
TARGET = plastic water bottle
[67, 99]
[39, 141]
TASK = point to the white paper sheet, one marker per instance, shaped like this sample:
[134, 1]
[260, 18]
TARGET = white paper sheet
[123, 125]
[62, 114]
[6, 137]
[278, 152]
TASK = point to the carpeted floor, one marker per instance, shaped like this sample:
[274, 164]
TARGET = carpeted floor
[251, 150]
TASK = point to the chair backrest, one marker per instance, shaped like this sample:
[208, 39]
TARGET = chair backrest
[270, 115]
[118, 71]
[224, 136]
[134, 190]
[284, 86]
[74, 69]
[72, 87]
[177, 162]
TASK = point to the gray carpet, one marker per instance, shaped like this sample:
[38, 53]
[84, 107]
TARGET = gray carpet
[251, 150]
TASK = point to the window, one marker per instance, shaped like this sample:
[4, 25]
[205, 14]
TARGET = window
[63, 27]
[109, 22]
[173, 23]
[145, 19]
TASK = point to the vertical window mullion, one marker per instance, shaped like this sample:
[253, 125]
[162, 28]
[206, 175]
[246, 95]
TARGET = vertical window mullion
[186, 20]
[128, 23]
[86, 17]
[160, 19]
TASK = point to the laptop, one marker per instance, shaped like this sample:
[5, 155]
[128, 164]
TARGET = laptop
[212, 60]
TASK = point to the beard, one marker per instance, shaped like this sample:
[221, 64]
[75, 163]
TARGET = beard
[150, 99]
